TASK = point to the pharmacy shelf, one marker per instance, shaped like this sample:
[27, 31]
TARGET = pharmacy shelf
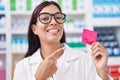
[114, 21]
[74, 12]
[74, 31]
[82, 49]
[18, 52]
[2, 51]
[19, 31]
[2, 12]
[30, 12]
[3, 32]
[114, 60]
[20, 12]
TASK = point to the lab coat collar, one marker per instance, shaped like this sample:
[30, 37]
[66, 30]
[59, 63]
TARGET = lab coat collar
[67, 55]
[65, 61]
[70, 54]
[36, 58]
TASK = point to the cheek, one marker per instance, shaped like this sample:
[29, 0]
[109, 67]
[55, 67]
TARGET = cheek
[40, 27]
[62, 29]
[62, 26]
[39, 24]
[39, 30]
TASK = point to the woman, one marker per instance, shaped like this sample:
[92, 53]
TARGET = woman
[49, 58]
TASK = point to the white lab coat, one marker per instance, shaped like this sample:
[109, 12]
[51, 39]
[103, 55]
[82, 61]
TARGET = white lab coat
[72, 65]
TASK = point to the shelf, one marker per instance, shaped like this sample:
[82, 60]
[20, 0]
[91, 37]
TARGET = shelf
[21, 12]
[76, 31]
[106, 22]
[2, 51]
[2, 12]
[18, 52]
[74, 12]
[81, 49]
[2, 32]
[66, 12]
[114, 60]
[19, 31]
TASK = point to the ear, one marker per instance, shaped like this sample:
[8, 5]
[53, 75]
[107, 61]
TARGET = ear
[34, 29]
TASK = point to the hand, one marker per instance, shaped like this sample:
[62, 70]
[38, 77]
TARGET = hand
[48, 66]
[100, 58]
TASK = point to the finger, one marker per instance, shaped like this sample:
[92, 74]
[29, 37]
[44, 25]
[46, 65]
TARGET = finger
[99, 46]
[98, 49]
[95, 50]
[96, 44]
[98, 55]
[58, 53]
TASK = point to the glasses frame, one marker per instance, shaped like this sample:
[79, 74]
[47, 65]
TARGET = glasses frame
[64, 17]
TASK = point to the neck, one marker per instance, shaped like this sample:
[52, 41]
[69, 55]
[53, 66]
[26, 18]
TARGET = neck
[47, 49]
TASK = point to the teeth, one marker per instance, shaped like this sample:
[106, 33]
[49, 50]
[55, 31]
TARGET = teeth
[53, 30]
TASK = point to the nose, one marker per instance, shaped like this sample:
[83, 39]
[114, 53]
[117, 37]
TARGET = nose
[53, 22]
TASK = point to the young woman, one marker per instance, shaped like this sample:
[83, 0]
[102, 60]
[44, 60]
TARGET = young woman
[49, 58]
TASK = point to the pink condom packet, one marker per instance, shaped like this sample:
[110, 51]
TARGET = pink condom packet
[89, 36]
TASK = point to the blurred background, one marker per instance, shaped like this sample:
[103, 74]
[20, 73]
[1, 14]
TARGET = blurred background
[102, 16]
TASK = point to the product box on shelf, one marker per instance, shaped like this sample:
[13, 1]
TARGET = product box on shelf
[106, 8]
[2, 42]
[2, 67]
[107, 36]
[114, 71]
[2, 5]
[2, 22]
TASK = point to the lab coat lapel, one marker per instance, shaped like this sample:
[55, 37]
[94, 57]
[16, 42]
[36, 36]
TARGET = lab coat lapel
[66, 62]
[35, 60]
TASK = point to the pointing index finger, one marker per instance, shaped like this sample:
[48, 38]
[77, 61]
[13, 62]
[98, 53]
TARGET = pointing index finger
[57, 54]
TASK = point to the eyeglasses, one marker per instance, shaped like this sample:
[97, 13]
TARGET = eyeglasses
[46, 18]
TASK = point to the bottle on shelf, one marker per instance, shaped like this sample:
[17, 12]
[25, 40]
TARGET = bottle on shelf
[2, 5]
[2, 42]
[2, 22]
[107, 37]
[114, 71]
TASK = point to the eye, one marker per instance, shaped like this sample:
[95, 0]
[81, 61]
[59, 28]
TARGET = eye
[45, 17]
[59, 17]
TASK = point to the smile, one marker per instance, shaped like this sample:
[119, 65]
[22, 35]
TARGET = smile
[53, 30]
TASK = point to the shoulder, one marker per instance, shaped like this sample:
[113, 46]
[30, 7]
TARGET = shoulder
[20, 69]
[35, 58]
[23, 61]
[21, 65]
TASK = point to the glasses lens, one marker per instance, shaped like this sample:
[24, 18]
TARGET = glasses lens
[60, 18]
[45, 18]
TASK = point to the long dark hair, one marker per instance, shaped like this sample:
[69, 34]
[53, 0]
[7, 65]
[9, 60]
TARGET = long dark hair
[33, 40]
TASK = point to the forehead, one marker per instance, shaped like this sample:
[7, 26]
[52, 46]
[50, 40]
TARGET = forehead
[50, 9]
